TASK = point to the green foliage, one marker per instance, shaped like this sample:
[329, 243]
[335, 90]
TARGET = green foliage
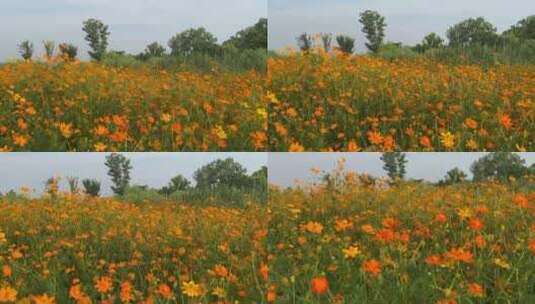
[177, 183]
[142, 194]
[394, 164]
[472, 31]
[431, 41]
[304, 41]
[26, 49]
[73, 184]
[373, 26]
[500, 166]
[221, 172]
[119, 170]
[49, 47]
[251, 38]
[91, 187]
[346, 44]
[392, 51]
[68, 51]
[152, 50]
[193, 41]
[524, 29]
[118, 59]
[326, 41]
[97, 36]
[454, 176]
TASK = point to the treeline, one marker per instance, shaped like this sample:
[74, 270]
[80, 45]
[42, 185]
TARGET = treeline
[474, 40]
[194, 49]
[223, 182]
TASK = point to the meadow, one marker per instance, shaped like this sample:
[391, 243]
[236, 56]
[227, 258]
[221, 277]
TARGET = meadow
[74, 249]
[335, 102]
[355, 240]
[60, 105]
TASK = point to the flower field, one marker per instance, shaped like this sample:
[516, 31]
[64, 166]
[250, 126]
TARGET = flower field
[324, 102]
[81, 250]
[413, 243]
[92, 107]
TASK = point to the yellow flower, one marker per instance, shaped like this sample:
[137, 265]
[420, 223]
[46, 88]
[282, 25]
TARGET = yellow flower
[351, 252]
[220, 133]
[2, 237]
[502, 263]
[7, 294]
[44, 299]
[65, 129]
[262, 112]
[219, 292]
[447, 139]
[296, 147]
[166, 117]
[192, 289]
[100, 147]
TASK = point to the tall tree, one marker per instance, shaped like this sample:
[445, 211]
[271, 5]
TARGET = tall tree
[49, 46]
[346, 44]
[454, 176]
[253, 37]
[68, 51]
[431, 41]
[524, 29]
[73, 184]
[394, 164]
[221, 172]
[177, 183]
[97, 35]
[500, 166]
[326, 40]
[119, 170]
[472, 31]
[26, 49]
[304, 41]
[91, 187]
[155, 50]
[193, 41]
[373, 26]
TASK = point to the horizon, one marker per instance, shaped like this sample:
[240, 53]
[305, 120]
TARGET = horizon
[408, 22]
[131, 30]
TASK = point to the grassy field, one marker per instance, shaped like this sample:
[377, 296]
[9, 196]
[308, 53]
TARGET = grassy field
[73, 106]
[359, 242]
[326, 102]
[77, 250]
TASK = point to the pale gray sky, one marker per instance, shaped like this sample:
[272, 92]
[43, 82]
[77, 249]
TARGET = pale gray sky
[408, 20]
[285, 168]
[153, 169]
[133, 23]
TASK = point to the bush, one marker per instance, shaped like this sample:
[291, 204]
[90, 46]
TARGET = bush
[142, 194]
[393, 51]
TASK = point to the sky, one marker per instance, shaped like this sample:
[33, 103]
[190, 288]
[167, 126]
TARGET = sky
[153, 169]
[133, 23]
[286, 168]
[408, 21]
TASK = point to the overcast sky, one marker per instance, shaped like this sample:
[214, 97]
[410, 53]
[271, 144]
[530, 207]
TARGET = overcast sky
[133, 23]
[153, 169]
[408, 21]
[286, 168]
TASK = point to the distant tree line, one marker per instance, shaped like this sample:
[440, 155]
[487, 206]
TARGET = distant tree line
[470, 33]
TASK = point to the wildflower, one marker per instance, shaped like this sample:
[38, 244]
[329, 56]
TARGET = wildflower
[434, 260]
[441, 218]
[425, 142]
[165, 291]
[460, 255]
[475, 290]
[352, 146]
[502, 263]
[470, 123]
[220, 133]
[104, 284]
[221, 271]
[264, 271]
[531, 246]
[372, 267]
[6, 271]
[342, 224]
[100, 147]
[20, 140]
[313, 227]
[296, 147]
[126, 292]
[2, 237]
[319, 285]
[521, 200]
[166, 117]
[505, 121]
[192, 289]
[219, 292]
[375, 138]
[44, 299]
[65, 129]
[448, 140]
[476, 224]
[351, 252]
[7, 294]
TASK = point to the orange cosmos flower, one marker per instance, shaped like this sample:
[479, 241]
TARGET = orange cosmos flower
[470, 123]
[505, 121]
[521, 200]
[44, 299]
[165, 291]
[104, 284]
[372, 267]
[264, 271]
[531, 246]
[460, 255]
[296, 147]
[6, 271]
[221, 270]
[313, 227]
[476, 224]
[435, 260]
[441, 218]
[7, 294]
[425, 142]
[375, 138]
[319, 285]
[475, 290]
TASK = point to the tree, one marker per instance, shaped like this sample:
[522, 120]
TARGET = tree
[26, 49]
[49, 46]
[193, 41]
[97, 35]
[304, 41]
[431, 41]
[259, 179]
[524, 29]
[500, 166]
[154, 50]
[373, 26]
[91, 187]
[454, 176]
[346, 44]
[119, 170]
[73, 184]
[394, 164]
[68, 51]
[472, 31]
[52, 186]
[326, 40]
[177, 183]
[253, 37]
[221, 173]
